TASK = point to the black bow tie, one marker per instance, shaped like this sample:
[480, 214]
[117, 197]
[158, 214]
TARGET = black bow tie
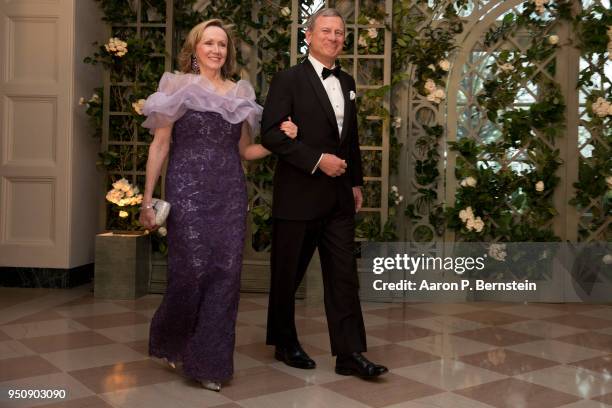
[334, 71]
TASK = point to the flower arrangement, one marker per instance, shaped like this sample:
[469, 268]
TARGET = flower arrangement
[126, 200]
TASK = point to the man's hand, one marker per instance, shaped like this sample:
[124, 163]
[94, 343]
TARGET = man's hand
[332, 165]
[358, 198]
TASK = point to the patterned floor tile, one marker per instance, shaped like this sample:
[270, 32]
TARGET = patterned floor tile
[542, 329]
[23, 367]
[601, 365]
[399, 331]
[39, 316]
[572, 380]
[447, 345]
[395, 356]
[323, 373]
[78, 359]
[259, 381]
[181, 393]
[308, 397]
[66, 341]
[444, 400]
[491, 317]
[87, 402]
[594, 340]
[556, 350]
[402, 313]
[581, 321]
[497, 336]
[12, 349]
[386, 390]
[108, 321]
[448, 374]
[42, 328]
[123, 375]
[507, 362]
[513, 393]
[447, 324]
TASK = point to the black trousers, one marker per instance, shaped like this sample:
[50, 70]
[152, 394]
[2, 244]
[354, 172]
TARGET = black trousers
[293, 244]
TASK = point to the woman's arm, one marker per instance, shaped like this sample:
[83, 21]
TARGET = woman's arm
[158, 152]
[250, 151]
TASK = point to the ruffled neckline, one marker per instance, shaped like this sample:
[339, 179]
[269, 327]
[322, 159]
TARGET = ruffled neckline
[179, 92]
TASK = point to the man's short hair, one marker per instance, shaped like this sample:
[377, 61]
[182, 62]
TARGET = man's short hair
[324, 12]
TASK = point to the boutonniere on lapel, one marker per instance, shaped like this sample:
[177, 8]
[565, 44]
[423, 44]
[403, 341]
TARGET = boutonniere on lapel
[352, 95]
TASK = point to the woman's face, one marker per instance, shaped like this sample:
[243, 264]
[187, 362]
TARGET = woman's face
[211, 51]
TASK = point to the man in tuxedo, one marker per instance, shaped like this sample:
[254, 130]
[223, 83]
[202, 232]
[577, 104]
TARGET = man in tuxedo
[317, 191]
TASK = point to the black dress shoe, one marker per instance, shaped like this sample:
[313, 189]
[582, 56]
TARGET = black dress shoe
[356, 364]
[294, 356]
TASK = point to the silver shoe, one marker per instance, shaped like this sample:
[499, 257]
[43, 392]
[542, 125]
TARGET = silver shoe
[211, 385]
[169, 363]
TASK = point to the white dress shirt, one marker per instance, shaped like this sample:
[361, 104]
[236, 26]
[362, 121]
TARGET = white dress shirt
[334, 93]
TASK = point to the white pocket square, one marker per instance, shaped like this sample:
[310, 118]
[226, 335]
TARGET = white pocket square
[352, 95]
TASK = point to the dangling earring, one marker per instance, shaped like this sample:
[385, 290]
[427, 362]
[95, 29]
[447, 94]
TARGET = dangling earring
[195, 67]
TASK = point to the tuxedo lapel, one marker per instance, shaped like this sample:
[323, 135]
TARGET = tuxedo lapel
[348, 105]
[317, 86]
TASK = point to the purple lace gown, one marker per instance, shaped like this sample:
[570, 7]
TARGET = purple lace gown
[206, 187]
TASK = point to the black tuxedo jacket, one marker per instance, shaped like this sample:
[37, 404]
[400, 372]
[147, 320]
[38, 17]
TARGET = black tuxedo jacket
[299, 195]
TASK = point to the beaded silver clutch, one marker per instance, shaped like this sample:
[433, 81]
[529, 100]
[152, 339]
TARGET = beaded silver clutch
[162, 209]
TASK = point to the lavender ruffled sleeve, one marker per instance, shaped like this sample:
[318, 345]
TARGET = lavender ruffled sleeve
[178, 93]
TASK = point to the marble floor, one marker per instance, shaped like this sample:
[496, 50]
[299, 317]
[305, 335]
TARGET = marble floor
[465, 355]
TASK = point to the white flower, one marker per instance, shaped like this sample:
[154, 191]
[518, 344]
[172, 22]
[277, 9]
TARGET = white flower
[162, 231]
[432, 67]
[82, 101]
[498, 252]
[468, 182]
[601, 107]
[430, 86]
[397, 122]
[466, 214]
[285, 12]
[138, 105]
[539, 186]
[444, 65]
[372, 21]
[539, 5]
[478, 224]
[372, 32]
[116, 46]
[394, 189]
[362, 41]
[401, 198]
[553, 39]
[607, 259]
[470, 224]
[439, 93]
[122, 185]
[123, 214]
[94, 98]
[352, 95]
[609, 182]
[432, 98]
[507, 67]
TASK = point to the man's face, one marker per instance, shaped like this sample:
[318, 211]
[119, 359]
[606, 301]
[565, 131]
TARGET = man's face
[326, 38]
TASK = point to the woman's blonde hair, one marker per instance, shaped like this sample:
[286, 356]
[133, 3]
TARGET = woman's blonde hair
[193, 39]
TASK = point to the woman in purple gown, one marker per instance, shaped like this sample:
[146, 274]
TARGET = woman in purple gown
[202, 123]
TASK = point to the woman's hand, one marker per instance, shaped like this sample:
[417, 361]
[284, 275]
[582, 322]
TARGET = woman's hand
[289, 128]
[147, 219]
